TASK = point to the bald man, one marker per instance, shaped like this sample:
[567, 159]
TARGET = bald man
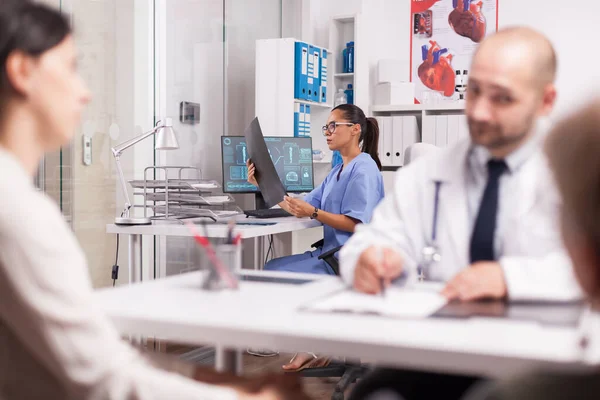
[573, 148]
[488, 206]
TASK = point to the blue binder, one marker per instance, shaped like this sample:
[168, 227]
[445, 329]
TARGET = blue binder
[316, 52]
[311, 73]
[301, 123]
[307, 121]
[323, 88]
[301, 71]
[297, 120]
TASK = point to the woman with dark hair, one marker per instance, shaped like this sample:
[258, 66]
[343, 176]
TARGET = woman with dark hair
[348, 194]
[54, 342]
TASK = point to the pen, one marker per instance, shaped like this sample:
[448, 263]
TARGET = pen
[380, 259]
[230, 227]
[238, 239]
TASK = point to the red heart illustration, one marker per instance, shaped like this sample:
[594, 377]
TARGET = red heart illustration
[436, 71]
[422, 5]
[467, 19]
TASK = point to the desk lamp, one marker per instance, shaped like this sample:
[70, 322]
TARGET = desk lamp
[165, 140]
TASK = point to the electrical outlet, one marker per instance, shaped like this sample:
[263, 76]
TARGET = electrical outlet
[189, 113]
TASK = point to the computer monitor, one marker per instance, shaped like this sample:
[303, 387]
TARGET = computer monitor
[291, 156]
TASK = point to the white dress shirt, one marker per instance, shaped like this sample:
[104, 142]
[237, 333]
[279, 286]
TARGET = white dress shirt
[55, 343]
[528, 244]
[477, 177]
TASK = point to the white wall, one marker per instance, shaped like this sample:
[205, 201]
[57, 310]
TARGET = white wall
[570, 26]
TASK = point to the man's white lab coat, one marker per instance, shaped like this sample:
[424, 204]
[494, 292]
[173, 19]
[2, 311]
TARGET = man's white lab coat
[532, 255]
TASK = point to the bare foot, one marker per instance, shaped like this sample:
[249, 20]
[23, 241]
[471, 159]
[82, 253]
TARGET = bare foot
[305, 360]
[298, 361]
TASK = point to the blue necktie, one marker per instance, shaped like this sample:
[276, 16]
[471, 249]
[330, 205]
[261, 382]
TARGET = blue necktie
[482, 241]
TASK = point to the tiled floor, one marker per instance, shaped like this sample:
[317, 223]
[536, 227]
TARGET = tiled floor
[317, 388]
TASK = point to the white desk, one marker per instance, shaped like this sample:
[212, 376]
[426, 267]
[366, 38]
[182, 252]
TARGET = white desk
[176, 228]
[265, 315]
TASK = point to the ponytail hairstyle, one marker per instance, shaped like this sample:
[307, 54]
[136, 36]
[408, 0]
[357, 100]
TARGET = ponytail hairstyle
[28, 27]
[369, 130]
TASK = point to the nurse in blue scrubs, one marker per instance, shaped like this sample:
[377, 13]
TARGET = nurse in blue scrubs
[346, 197]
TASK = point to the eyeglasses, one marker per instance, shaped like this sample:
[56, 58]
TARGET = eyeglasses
[331, 127]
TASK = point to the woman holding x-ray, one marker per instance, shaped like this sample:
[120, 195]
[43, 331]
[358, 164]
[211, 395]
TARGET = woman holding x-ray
[348, 194]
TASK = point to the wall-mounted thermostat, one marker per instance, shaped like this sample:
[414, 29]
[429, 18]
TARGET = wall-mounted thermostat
[189, 113]
[87, 150]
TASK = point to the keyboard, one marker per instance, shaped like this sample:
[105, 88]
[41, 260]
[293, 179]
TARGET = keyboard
[268, 213]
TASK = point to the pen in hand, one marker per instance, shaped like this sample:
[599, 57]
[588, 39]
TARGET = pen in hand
[380, 259]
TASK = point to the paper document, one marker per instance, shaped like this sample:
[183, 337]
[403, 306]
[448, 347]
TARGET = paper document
[216, 199]
[204, 185]
[397, 302]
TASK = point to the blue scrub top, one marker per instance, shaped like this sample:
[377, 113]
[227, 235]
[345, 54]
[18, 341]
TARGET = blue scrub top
[354, 193]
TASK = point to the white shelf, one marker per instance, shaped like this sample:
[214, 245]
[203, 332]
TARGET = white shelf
[444, 107]
[313, 103]
[344, 18]
[419, 107]
[321, 161]
[344, 75]
[398, 108]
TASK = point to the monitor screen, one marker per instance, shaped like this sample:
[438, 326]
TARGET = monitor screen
[291, 156]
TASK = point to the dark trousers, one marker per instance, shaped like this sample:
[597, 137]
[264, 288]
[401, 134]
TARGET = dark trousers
[413, 385]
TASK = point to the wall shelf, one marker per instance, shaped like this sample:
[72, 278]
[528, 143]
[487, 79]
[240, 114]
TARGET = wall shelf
[344, 19]
[346, 75]
[313, 103]
[398, 108]
[418, 108]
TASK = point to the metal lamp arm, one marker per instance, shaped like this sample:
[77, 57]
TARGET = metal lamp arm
[124, 146]
[117, 151]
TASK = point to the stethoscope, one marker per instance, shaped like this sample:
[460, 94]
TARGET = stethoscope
[431, 252]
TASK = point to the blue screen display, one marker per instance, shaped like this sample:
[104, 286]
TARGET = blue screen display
[291, 156]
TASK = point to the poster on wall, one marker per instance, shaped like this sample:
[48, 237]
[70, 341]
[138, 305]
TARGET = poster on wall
[444, 36]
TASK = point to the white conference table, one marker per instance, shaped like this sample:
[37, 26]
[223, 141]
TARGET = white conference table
[269, 315]
[252, 228]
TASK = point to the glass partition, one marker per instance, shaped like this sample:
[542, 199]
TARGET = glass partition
[141, 60]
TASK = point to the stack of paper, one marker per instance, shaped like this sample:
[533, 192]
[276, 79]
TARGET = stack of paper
[397, 302]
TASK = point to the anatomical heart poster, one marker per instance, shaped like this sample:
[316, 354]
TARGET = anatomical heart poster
[444, 36]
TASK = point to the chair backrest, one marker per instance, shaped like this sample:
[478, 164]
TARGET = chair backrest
[417, 150]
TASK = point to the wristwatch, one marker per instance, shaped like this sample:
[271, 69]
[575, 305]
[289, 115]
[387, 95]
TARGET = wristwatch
[315, 214]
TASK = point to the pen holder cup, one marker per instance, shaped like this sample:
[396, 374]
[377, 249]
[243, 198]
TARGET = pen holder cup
[230, 258]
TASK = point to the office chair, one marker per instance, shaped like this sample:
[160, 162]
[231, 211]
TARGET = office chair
[347, 371]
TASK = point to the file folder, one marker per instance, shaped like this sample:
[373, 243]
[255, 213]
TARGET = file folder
[307, 121]
[410, 132]
[388, 141]
[311, 73]
[397, 141]
[301, 73]
[463, 127]
[381, 144]
[301, 121]
[453, 126]
[441, 130]
[323, 76]
[316, 94]
[429, 129]
[296, 119]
